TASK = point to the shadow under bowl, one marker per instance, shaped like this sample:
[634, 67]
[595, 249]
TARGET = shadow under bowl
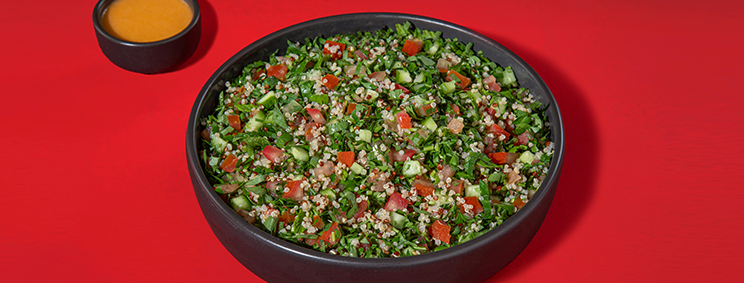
[149, 57]
[276, 260]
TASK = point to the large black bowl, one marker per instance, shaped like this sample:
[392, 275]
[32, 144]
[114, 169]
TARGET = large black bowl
[275, 260]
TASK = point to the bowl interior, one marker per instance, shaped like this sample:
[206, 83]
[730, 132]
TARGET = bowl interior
[531, 214]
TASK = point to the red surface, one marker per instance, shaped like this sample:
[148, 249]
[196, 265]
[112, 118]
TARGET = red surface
[94, 179]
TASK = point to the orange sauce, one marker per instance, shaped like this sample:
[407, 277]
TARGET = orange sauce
[146, 20]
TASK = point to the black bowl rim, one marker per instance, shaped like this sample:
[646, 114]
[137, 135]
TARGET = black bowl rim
[102, 5]
[458, 250]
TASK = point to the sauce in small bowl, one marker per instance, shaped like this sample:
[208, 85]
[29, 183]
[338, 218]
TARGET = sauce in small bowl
[147, 36]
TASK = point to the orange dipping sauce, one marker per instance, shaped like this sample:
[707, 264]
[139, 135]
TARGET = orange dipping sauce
[146, 20]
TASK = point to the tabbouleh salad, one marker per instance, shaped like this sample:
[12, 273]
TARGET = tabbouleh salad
[386, 144]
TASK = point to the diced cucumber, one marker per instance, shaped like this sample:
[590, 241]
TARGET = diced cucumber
[419, 78]
[527, 157]
[329, 193]
[365, 135]
[403, 76]
[397, 220]
[411, 168]
[299, 153]
[430, 124]
[218, 143]
[371, 95]
[240, 202]
[442, 198]
[448, 87]
[292, 107]
[256, 122]
[356, 168]
[473, 191]
[433, 49]
[397, 65]
[268, 99]
[474, 94]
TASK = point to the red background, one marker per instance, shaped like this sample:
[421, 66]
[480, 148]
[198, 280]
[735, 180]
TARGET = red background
[94, 179]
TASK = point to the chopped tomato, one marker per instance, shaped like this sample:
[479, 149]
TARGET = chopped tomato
[309, 129]
[362, 207]
[423, 190]
[426, 110]
[477, 208]
[335, 49]
[360, 54]
[277, 71]
[271, 187]
[456, 109]
[350, 108]
[316, 115]
[464, 81]
[523, 139]
[378, 76]
[234, 121]
[272, 153]
[519, 203]
[491, 84]
[457, 186]
[412, 46]
[498, 157]
[330, 81]
[229, 164]
[396, 202]
[318, 222]
[295, 190]
[496, 131]
[257, 74]
[405, 90]
[286, 217]
[404, 121]
[440, 231]
[395, 155]
[332, 235]
[346, 157]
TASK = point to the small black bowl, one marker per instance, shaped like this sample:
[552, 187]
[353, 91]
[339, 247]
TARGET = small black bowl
[276, 260]
[149, 57]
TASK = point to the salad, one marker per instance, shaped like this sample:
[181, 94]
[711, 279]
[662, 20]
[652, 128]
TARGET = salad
[386, 144]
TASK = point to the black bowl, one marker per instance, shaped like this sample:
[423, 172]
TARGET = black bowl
[149, 57]
[275, 260]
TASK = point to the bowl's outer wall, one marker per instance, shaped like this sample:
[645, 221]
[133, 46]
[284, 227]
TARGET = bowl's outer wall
[151, 57]
[275, 260]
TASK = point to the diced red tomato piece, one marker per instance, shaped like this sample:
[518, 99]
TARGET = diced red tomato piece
[456, 109]
[457, 186]
[234, 121]
[412, 46]
[378, 76]
[257, 74]
[423, 190]
[335, 49]
[395, 155]
[346, 157]
[477, 208]
[440, 231]
[360, 54]
[519, 203]
[361, 208]
[309, 129]
[498, 157]
[496, 131]
[271, 187]
[229, 163]
[286, 217]
[318, 222]
[330, 81]
[405, 90]
[332, 235]
[272, 153]
[464, 81]
[277, 71]
[523, 139]
[491, 84]
[316, 115]
[404, 121]
[350, 108]
[396, 202]
[426, 110]
[295, 190]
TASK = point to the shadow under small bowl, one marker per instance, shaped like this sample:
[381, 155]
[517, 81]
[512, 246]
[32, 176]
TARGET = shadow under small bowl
[276, 260]
[149, 57]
